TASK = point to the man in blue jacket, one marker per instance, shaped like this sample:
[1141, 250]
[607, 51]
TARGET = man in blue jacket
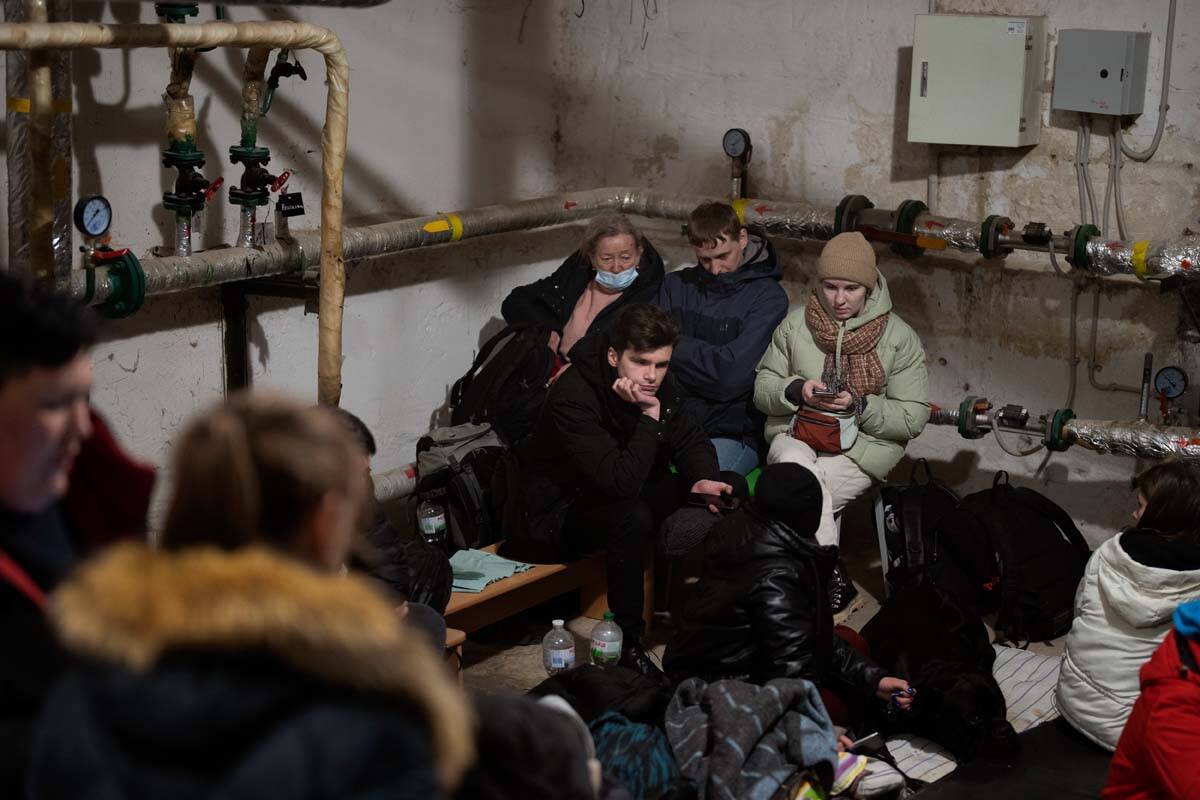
[727, 306]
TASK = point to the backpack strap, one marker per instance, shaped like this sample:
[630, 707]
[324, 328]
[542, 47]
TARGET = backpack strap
[485, 352]
[1034, 500]
[466, 483]
[914, 534]
[19, 579]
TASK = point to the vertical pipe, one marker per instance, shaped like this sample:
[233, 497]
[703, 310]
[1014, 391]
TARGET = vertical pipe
[1144, 403]
[16, 79]
[252, 89]
[41, 122]
[246, 223]
[183, 233]
[60, 151]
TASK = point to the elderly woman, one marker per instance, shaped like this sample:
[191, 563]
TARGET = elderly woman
[843, 384]
[613, 267]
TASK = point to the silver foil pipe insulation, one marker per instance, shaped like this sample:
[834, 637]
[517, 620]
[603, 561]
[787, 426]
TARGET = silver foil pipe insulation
[960, 234]
[1134, 438]
[247, 219]
[183, 235]
[16, 80]
[1149, 260]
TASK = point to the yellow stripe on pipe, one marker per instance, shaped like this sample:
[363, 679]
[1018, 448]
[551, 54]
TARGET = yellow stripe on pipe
[20, 105]
[1139, 258]
[456, 227]
[739, 208]
[437, 226]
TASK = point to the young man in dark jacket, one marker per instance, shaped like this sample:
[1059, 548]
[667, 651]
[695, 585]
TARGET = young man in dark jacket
[728, 305]
[761, 609]
[595, 470]
[47, 435]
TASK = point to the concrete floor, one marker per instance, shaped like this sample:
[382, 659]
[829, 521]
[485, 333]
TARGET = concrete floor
[508, 656]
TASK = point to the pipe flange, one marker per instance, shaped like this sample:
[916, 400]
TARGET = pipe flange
[966, 418]
[1079, 236]
[1056, 437]
[989, 236]
[252, 156]
[183, 158]
[242, 197]
[127, 280]
[847, 210]
[906, 218]
[177, 12]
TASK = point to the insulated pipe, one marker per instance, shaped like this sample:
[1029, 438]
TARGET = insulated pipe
[16, 78]
[60, 151]
[183, 235]
[396, 483]
[246, 220]
[252, 89]
[41, 124]
[295, 36]
[1134, 438]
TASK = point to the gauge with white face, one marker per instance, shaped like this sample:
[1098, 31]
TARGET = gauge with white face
[93, 215]
[736, 143]
[1171, 382]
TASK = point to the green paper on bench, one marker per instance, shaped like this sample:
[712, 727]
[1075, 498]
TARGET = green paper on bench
[475, 569]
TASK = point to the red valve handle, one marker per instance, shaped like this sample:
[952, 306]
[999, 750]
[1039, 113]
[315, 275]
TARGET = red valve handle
[213, 188]
[282, 180]
[101, 254]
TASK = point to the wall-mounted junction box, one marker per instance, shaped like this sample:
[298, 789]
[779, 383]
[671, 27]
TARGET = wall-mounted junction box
[1101, 72]
[977, 80]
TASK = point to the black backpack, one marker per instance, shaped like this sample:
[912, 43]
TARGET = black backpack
[508, 389]
[1012, 551]
[455, 468]
[911, 515]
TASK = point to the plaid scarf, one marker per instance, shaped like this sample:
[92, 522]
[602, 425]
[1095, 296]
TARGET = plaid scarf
[860, 370]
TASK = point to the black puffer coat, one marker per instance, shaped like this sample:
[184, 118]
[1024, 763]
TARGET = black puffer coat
[590, 441]
[761, 611]
[548, 302]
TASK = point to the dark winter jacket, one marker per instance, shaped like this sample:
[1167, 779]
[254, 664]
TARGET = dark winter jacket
[727, 321]
[1159, 748]
[761, 611]
[206, 673]
[548, 302]
[591, 442]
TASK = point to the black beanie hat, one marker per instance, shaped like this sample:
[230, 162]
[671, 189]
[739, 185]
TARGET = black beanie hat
[790, 494]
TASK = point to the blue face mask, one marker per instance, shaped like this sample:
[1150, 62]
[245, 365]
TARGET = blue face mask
[616, 282]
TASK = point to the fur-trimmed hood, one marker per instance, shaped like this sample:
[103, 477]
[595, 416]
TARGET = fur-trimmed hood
[133, 606]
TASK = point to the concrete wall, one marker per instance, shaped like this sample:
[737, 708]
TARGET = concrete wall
[459, 103]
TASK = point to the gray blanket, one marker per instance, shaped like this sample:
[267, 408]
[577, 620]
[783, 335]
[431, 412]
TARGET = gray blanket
[738, 741]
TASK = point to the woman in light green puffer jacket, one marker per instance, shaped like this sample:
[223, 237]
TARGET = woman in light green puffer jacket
[846, 334]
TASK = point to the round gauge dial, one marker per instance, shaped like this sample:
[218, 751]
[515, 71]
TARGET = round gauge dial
[93, 215]
[736, 143]
[1171, 382]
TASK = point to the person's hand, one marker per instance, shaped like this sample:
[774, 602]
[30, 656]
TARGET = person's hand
[712, 487]
[630, 392]
[903, 693]
[555, 340]
[844, 744]
[840, 403]
[558, 373]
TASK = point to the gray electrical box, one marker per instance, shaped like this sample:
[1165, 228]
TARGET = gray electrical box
[1101, 72]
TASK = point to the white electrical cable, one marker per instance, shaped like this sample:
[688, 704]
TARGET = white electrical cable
[1005, 447]
[1053, 259]
[1083, 207]
[1087, 177]
[1108, 186]
[1117, 166]
[1163, 106]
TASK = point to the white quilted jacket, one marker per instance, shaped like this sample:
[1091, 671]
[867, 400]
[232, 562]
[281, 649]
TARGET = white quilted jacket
[1122, 613]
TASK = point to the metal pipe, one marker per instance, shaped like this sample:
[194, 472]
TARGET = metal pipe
[1144, 401]
[396, 483]
[293, 35]
[61, 85]
[1134, 438]
[16, 78]
[183, 234]
[961, 234]
[246, 222]
[252, 89]
[41, 123]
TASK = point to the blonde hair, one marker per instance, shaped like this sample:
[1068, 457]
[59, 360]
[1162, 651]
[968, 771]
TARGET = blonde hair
[604, 226]
[254, 470]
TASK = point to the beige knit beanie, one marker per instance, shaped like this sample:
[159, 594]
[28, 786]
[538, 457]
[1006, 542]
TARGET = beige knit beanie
[848, 257]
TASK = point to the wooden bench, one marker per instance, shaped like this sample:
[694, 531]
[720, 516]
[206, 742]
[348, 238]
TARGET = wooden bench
[470, 611]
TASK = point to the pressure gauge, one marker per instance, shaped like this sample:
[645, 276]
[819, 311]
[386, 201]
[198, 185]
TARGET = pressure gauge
[736, 143]
[93, 216]
[1171, 382]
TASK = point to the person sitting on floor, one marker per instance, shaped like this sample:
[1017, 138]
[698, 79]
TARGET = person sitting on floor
[615, 266]
[844, 384]
[1159, 748]
[66, 489]
[761, 607]
[596, 472]
[727, 306]
[236, 661]
[1130, 588]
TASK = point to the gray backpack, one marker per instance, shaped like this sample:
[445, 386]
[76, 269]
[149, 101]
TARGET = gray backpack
[455, 466]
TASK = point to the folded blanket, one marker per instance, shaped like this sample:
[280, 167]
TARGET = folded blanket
[475, 569]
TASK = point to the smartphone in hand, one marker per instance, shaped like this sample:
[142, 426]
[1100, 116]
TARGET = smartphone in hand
[722, 502]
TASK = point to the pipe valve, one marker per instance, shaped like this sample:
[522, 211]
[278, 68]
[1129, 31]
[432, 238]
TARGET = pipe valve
[191, 188]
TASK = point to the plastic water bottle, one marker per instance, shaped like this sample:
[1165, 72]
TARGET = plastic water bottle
[558, 649]
[606, 642]
[431, 518]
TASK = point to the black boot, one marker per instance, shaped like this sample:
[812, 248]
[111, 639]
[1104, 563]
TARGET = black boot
[635, 657]
[841, 589]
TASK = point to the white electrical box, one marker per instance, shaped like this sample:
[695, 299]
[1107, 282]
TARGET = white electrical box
[1101, 72]
[977, 80]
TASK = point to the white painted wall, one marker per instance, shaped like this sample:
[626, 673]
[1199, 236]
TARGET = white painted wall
[458, 103]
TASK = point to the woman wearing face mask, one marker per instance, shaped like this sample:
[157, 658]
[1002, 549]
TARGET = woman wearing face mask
[613, 267]
[844, 385]
[234, 660]
[1123, 607]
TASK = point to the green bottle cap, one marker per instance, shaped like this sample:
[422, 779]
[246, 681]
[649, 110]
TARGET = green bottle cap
[608, 615]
